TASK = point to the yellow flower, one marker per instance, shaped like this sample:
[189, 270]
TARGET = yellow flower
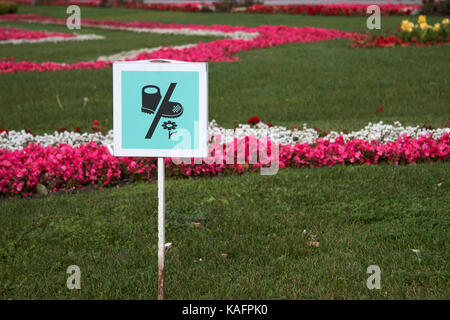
[424, 26]
[437, 26]
[405, 25]
[445, 22]
[422, 19]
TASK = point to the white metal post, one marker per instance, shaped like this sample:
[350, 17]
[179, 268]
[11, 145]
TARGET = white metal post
[161, 227]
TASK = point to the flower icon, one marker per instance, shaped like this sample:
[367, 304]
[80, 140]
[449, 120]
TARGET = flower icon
[169, 125]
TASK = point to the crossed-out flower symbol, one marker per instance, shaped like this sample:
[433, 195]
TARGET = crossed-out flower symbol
[169, 125]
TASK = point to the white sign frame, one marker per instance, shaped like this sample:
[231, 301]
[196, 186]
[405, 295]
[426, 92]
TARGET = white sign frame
[170, 65]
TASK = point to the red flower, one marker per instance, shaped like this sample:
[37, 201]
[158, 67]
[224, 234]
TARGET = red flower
[77, 129]
[254, 120]
[96, 123]
[4, 130]
[380, 109]
[269, 124]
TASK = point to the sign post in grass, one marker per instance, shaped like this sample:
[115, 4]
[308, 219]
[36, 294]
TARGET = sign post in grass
[160, 110]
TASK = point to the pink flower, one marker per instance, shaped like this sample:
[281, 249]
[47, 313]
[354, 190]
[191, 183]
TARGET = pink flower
[66, 167]
[17, 34]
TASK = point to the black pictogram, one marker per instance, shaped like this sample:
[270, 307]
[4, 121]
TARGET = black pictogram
[151, 97]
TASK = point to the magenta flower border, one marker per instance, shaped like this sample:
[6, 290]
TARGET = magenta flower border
[66, 167]
[22, 34]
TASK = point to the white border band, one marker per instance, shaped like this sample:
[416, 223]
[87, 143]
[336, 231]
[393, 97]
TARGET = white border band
[146, 65]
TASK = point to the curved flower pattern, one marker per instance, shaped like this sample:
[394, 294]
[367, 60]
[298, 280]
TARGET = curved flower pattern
[15, 34]
[19, 36]
[218, 50]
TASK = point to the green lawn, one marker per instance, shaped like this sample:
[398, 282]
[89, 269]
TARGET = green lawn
[323, 84]
[343, 23]
[360, 215]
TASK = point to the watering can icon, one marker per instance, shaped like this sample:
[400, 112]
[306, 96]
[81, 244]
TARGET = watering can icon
[151, 96]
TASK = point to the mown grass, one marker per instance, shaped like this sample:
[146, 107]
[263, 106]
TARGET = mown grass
[324, 84]
[359, 215]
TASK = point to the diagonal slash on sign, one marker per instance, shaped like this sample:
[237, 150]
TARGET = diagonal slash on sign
[160, 111]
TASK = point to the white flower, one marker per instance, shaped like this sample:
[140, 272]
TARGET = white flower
[78, 37]
[277, 134]
[134, 53]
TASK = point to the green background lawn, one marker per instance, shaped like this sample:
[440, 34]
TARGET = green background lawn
[323, 84]
[359, 215]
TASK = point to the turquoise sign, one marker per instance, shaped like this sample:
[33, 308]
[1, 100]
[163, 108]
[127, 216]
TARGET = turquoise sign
[160, 109]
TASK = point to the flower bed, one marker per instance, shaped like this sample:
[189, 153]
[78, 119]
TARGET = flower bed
[15, 34]
[10, 65]
[242, 39]
[23, 172]
[87, 3]
[134, 26]
[269, 36]
[319, 9]
[19, 36]
[183, 7]
[391, 41]
[333, 9]
[420, 34]
[379, 132]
